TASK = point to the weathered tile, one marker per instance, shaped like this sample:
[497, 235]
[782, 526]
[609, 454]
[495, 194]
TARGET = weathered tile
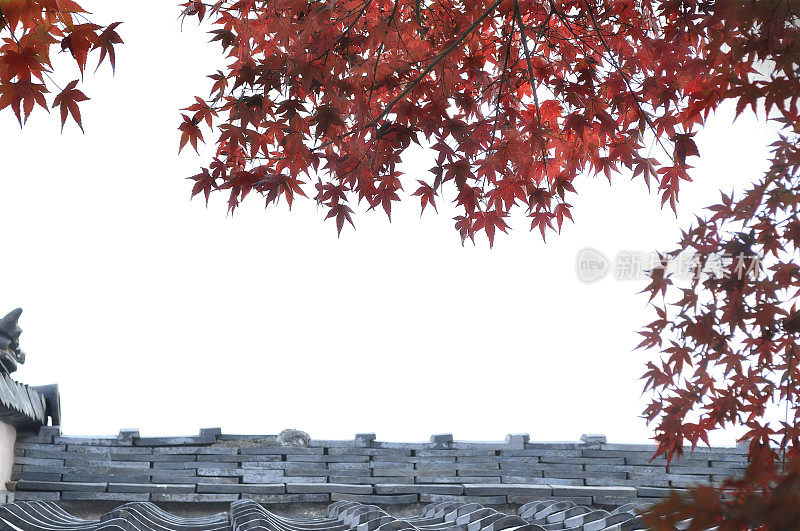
[322, 488]
[150, 487]
[397, 499]
[399, 488]
[287, 498]
[193, 498]
[239, 488]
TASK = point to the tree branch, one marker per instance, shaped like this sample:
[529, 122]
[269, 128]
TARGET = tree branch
[524, 41]
[412, 85]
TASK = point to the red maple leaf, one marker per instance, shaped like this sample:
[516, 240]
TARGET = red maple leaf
[80, 40]
[68, 101]
[21, 96]
[341, 213]
[105, 42]
[426, 194]
[190, 133]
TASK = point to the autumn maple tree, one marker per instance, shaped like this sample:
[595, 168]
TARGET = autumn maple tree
[518, 99]
[31, 30]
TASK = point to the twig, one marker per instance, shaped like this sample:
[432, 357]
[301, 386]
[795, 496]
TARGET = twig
[524, 41]
[412, 85]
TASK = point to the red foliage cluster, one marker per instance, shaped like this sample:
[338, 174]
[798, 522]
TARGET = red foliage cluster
[730, 350]
[29, 30]
[759, 501]
[517, 98]
[730, 335]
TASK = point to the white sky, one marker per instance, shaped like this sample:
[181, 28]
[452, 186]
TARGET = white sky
[153, 312]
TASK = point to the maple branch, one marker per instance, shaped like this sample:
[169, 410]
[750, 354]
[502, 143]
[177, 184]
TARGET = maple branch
[403, 42]
[344, 34]
[524, 40]
[375, 74]
[436, 61]
[416, 81]
[625, 78]
[352, 24]
[418, 11]
[500, 91]
[380, 52]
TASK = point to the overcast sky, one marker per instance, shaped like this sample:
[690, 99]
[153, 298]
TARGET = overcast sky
[157, 313]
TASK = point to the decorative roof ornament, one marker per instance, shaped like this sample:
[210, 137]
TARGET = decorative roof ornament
[292, 437]
[10, 353]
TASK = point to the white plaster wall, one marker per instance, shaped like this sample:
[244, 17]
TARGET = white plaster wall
[8, 437]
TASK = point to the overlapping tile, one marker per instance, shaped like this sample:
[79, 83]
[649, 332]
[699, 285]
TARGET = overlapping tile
[212, 467]
[247, 515]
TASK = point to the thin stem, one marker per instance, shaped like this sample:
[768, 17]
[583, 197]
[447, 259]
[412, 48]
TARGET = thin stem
[413, 84]
[531, 78]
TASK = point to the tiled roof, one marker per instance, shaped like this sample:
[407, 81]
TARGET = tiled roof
[340, 516]
[212, 467]
[21, 405]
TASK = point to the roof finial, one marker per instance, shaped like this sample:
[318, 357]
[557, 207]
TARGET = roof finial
[10, 353]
